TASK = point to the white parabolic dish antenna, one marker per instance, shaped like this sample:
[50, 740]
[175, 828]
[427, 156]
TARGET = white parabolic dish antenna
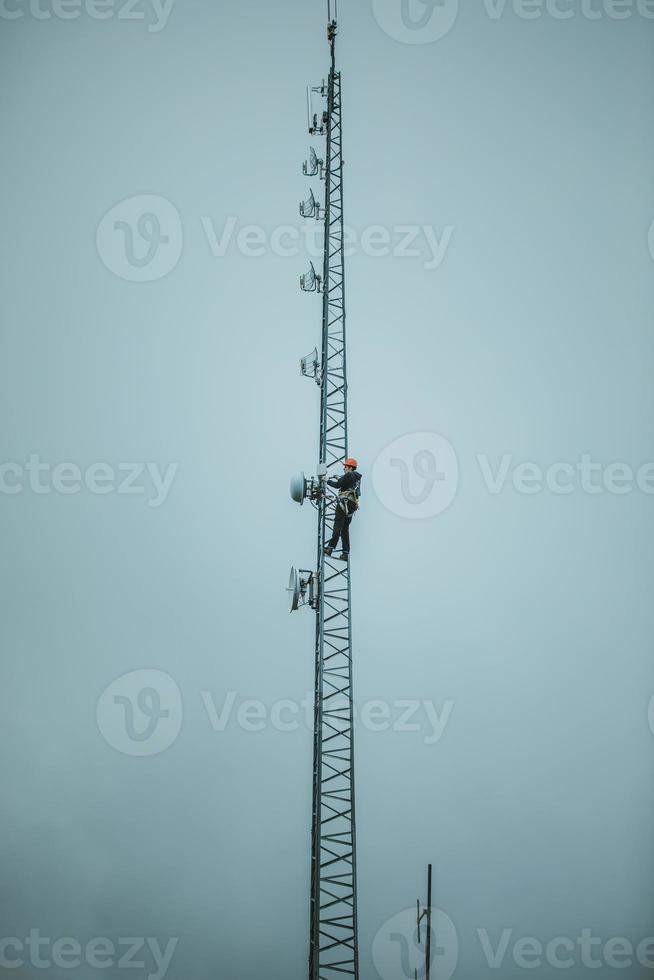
[298, 488]
[294, 590]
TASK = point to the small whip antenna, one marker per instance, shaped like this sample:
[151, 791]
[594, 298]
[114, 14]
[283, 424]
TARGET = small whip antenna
[425, 913]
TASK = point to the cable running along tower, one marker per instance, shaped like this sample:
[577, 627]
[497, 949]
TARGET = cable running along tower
[333, 947]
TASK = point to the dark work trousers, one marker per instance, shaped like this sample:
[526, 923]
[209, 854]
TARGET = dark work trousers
[341, 529]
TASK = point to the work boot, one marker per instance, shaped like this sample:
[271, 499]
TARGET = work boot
[328, 550]
[344, 555]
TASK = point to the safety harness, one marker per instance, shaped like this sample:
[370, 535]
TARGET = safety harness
[348, 500]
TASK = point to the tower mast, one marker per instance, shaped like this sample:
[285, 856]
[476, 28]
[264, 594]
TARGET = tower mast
[333, 947]
[333, 913]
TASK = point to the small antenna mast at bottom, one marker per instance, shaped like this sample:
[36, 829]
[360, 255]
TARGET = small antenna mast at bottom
[426, 914]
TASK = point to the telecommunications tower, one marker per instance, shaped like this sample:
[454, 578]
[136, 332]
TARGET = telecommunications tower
[333, 944]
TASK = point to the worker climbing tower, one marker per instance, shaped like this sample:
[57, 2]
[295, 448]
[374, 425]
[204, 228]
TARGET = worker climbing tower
[333, 946]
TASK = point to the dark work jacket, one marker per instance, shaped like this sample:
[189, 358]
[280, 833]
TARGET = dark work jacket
[349, 481]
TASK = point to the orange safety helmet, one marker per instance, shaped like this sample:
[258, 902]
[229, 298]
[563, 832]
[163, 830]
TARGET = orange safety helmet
[350, 462]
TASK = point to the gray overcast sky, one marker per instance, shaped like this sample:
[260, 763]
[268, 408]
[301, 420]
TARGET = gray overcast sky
[150, 349]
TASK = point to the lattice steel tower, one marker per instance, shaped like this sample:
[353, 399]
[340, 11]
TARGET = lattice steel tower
[327, 590]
